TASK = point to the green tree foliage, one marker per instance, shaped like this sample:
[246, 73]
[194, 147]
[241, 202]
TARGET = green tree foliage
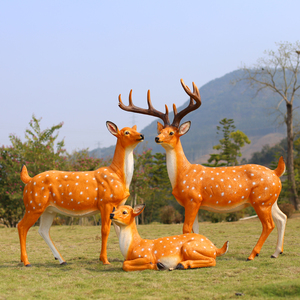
[38, 153]
[230, 145]
[150, 185]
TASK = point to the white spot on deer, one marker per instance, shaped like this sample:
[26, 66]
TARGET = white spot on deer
[77, 177]
[70, 193]
[66, 176]
[240, 185]
[212, 179]
[76, 183]
[71, 199]
[194, 170]
[266, 188]
[36, 194]
[111, 195]
[229, 201]
[233, 170]
[201, 178]
[78, 203]
[81, 193]
[253, 184]
[263, 203]
[222, 194]
[96, 189]
[87, 187]
[217, 202]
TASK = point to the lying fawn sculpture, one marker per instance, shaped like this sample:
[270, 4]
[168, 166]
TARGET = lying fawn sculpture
[220, 189]
[79, 194]
[182, 251]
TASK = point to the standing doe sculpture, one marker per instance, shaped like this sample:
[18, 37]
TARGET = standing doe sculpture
[219, 189]
[182, 251]
[79, 194]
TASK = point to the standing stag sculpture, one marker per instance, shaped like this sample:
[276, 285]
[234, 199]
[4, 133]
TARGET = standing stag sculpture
[219, 189]
[79, 194]
[181, 252]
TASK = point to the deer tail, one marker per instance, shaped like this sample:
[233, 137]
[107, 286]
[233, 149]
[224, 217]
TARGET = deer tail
[24, 175]
[279, 171]
[223, 250]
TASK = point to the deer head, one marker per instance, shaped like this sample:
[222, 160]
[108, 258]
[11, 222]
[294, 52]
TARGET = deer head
[168, 133]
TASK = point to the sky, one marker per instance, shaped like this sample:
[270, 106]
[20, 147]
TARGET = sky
[68, 61]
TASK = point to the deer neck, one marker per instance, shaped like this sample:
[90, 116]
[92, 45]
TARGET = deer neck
[176, 160]
[123, 163]
[128, 238]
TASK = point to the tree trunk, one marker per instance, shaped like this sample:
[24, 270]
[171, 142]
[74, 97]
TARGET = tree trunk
[290, 157]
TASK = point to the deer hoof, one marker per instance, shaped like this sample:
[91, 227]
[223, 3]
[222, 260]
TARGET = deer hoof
[179, 267]
[161, 267]
[63, 263]
[257, 254]
[272, 256]
[28, 266]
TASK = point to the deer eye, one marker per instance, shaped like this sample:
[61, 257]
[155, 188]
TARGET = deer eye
[124, 212]
[126, 132]
[171, 133]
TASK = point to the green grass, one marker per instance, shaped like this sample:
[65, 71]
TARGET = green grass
[86, 278]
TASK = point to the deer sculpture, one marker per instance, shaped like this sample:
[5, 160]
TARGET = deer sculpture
[182, 251]
[219, 189]
[79, 194]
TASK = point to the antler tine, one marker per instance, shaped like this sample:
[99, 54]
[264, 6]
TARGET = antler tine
[192, 106]
[151, 111]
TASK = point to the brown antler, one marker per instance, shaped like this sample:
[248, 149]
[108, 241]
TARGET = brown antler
[192, 106]
[151, 111]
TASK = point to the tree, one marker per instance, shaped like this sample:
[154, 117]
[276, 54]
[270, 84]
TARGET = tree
[278, 72]
[230, 145]
[38, 153]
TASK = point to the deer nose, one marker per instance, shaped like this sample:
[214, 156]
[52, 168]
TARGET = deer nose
[157, 139]
[111, 216]
[142, 137]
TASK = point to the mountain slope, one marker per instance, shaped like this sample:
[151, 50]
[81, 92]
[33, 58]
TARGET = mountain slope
[220, 99]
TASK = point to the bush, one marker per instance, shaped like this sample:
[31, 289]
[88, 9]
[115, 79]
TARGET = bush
[169, 215]
[287, 208]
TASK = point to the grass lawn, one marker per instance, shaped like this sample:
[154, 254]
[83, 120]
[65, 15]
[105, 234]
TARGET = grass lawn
[84, 277]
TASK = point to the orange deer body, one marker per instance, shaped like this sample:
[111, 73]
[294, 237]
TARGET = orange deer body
[183, 251]
[220, 189]
[79, 194]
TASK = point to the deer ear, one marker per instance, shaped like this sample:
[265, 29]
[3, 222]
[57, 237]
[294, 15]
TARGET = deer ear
[134, 127]
[159, 127]
[112, 128]
[138, 209]
[184, 128]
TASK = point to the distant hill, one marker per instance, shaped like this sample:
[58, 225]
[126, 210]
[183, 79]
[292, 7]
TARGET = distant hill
[221, 99]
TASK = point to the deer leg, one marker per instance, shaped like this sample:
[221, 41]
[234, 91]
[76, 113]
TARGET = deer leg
[280, 220]
[196, 224]
[23, 226]
[105, 229]
[191, 211]
[265, 216]
[138, 265]
[44, 230]
[195, 257]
